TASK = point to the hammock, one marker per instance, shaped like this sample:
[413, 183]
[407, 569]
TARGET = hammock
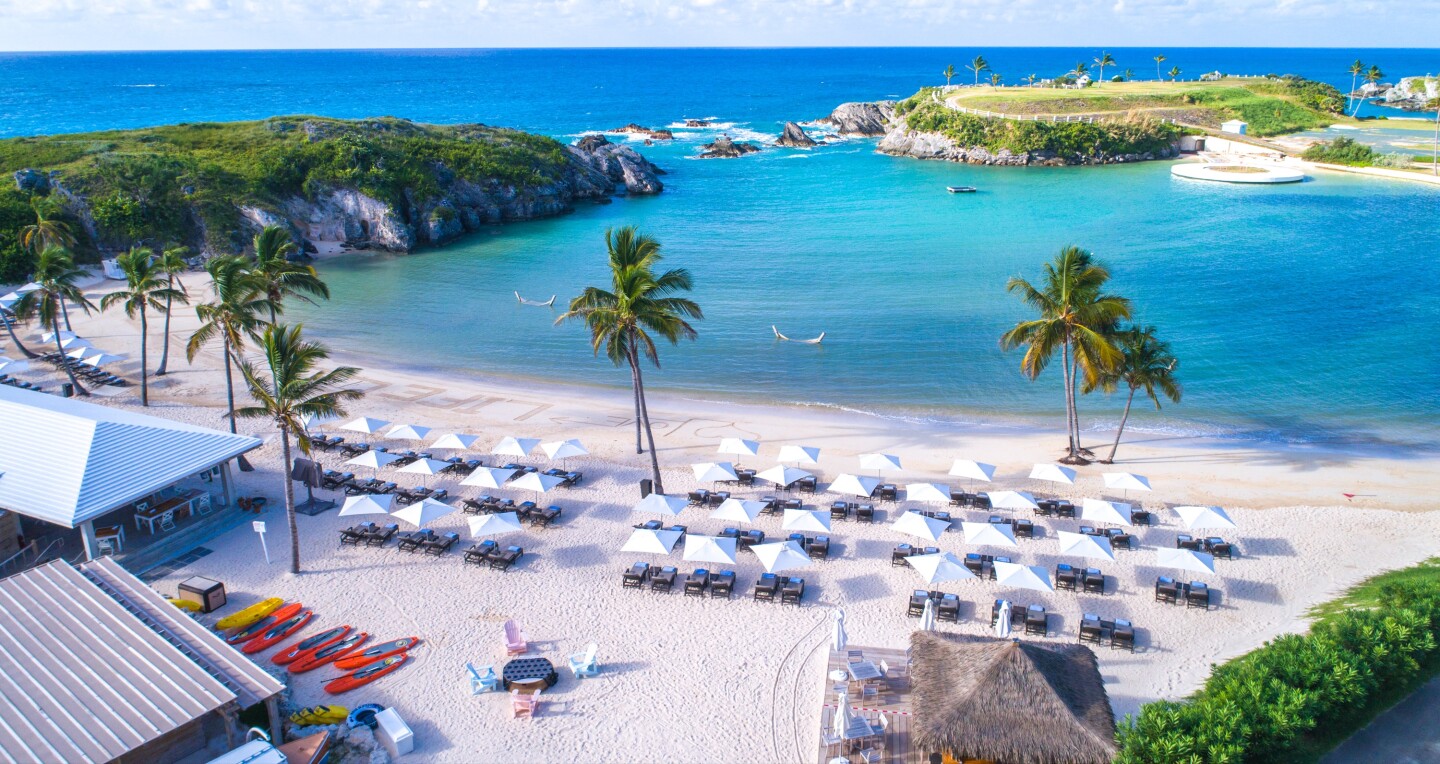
[815, 341]
[536, 303]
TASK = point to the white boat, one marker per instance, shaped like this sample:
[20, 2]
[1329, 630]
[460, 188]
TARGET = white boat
[961, 189]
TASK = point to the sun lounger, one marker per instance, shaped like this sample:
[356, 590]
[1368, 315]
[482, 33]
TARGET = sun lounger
[681, 529]
[479, 554]
[766, 587]
[980, 501]
[354, 449]
[888, 492]
[664, 579]
[334, 481]
[722, 583]
[793, 592]
[1091, 630]
[1122, 636]
[792, 504]
[696, 582]
[977, 564]
[358, 487]
[1094, 581]
[1066, 577]
[411, 542]
[1198, 596]
[1036, 621]
[773, 505]
[1141, 517]
[516, 643]
[751, 537]
[636, 576]
[806, 484]
[699, 498]
[730, 533]
[649, 525]
[355, 534]
[503, 559]
[865, 513]
[717, 498]
[441, 545]
[1219, 548]
[411, 495]
[1120, 539]
[1166, 590]
[1045, 507]
[899, 554]
[382, 488]
[819, 548]
[541, 518]
[918, 598]
[584, 664]
[482, 679]
[1184, 541]
[1024, 529]
[379, 536]
[840, 510]
[472, 506]
[948, 609]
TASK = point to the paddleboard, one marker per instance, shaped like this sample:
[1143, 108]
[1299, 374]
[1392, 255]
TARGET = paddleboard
[376, 653]
[366, 675]
[242, 618]
[186, 605]
[309, 644]
[317, 658]
[279, 631]
[313, 715]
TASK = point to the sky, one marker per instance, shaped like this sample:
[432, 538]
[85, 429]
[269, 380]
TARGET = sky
[29, 25]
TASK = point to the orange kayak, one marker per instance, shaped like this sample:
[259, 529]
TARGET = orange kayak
[310, 644]
[366, 675]
[249, 632]
[377, 653]
[279, 631]
[317, 658]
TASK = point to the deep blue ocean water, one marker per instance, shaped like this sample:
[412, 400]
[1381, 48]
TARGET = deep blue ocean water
[1303, 313]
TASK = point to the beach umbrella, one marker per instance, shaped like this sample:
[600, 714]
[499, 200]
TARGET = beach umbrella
[74, 343]
[407, 432]
[993, 534]
[1023, 576]
[838, 638]
[488, 477]
[424, 467]
[511, 446]
[454, 442]
[935, 568]
[972, 470]
[647, 541]
[1126, 481]
[934, 493]
[28, 288]
[422, 513]
[373, 459]
[564, 449]
[783, 476]
[1053, 473]
[712, 549]
[365, 424]
[781, 555]
[916, 524]
[853, 485]
[98, 358]
[927, 617]
[497, 524]
[1012, 500]
[714, 472]
[538, 482]
[806, 520]
[739, 447]
[1085, 545]
[50, 336]
[1002, 620]
[315, 420]
[879, 462]
[13, 365]
[1185, 559]
[367, 504]
[660, 504]
[799, 454]
[80, 351]
[737, 510]
[1204, 517]
[1100, 511]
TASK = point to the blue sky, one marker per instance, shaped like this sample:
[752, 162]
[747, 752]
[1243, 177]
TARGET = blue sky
[199, 24]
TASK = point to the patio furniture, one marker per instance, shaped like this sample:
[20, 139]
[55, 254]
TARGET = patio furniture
[722, 583]
[479, 554]
[441, 545]
[900, 553]
[916, 608]
[1066, 577]
[664, 579]
[699, 498]
[696, 582]
[1166, 590]
[515, 644]
[1197, 596]
[1184, 541]
[1122, 636]
[1094, 581]
[948, 610]
[766, 587]
[502, 560]
[1036, 621]
[793, 591]
[865, 513]
[378, 536]
[1091, 629]
[636, 576]
[584, 664]
[482, 679]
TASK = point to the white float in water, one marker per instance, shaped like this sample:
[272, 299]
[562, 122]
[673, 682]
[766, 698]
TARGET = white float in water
[1237, 173]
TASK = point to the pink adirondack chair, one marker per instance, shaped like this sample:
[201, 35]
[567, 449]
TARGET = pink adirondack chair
[524, 704]
[515, 639]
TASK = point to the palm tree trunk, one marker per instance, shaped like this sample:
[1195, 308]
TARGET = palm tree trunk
[65, 311]
[635, 387]
[69, 372]
[165, 339]
[1065, 369]
[144, 361]
[230, 386]
[649, 433]
[1075, 408]
[1435, 156]
[290, 501]
[9, 320]
[1123, 418]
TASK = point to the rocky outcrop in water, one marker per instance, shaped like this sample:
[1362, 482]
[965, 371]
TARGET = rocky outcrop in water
[1410, 94]
[902, 141]
[861, 118]
[650, 133]
[697, 123]
[724, 148]
[793, 137]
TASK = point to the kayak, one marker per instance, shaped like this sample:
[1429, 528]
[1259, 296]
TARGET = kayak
[314, 715]
[376, 653]
[317, 658]
[186, 605]
[248, 633]
[366, 675]
[279, 631]
[242, 618]
[310, 643]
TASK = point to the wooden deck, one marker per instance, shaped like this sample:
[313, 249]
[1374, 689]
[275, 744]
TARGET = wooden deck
[893, 707]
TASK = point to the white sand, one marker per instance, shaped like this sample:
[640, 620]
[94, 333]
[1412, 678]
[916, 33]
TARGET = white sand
[687, 680]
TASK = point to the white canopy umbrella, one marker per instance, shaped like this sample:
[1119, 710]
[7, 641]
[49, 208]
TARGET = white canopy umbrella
[1002, 620]
[80, 351]
[13, 365]
[838, 637]
[454, 441]
[736, 510]
[511, 446]
[806, 520]
[854, 485]
[1085, 545]
[367, 504]
[98, 358]
[933, 493]
[879, 462]
[646, 541]
[74, 343]
[316, 420]
[1110, 512]
[783, 476]
[422, 513]
[408, 432]
[538, 482]
[927, 617]
[713, 472]
[713, 549]
[488, 477]
[846, 725]
[373, 459]
[993, 534]
[1126, 481]
[497, 524]
[781, 555]
[916, 524]
[50, 336]
[1023, 576]
[1053, 473]
[365, 424]
[799, 454]
[424, 467]
[660, 504]
[972, 470]
[28, 288]
[564, 449]
[1012, 500]
[935, 568]
[1185, 559]
[1204, 517]
[739, 447]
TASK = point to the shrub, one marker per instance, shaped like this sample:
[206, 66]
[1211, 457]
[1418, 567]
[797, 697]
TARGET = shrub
[1396, 159]
[1342, 150]
[1066, 139]
[16, 262]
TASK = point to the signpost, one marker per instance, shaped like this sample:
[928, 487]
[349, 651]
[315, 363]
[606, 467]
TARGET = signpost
[259, 526]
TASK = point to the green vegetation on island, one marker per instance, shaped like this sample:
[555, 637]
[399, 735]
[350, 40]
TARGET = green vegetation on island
[1348, 151]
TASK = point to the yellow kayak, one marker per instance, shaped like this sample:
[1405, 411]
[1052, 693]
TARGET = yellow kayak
[320, 715]
[249, 615]
[186, 605]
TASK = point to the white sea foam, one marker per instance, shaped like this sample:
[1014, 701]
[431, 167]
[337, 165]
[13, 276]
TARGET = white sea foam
[148, 85]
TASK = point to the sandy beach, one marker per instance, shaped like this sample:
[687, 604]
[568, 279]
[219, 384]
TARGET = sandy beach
[696, 680]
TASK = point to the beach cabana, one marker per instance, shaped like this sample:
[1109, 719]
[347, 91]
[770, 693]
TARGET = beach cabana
[407, 432]
[979, 698]
[854, 485]
[816, 520]
[973, 470]
[932, 493]
[1085, 545]
[936, 568]
[739, 447]
[488, 477]
[712, 549]
[1126, 481]
[783, 555]
[512, 446]
[1012, 500]
[714, 472]
[992, 534]
[647, 541]
[1053, 473]
[799, 455]
[735, 510]
[880, 462]
[497, 524]
[365, 424]
[367, 504]
[1023, 576]
[916, 524]
[455, 441]
[783, 476]
[422, 513]
[1204, 517]
[1185, 559]
[564, 449]
[660, 504]
[1107, 512]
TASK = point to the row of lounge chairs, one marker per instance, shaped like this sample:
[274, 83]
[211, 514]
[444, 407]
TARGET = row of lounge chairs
[841, 510]
[368, 534]
[662, 579]
[490, 554]
[777, 506]
[1119, 539]
[1088, 580]
[1172, 592]
[528, 511]
[1095, 630]
[947, 606]
[704, 498]
[790, 588]
[983, 565]
[84, 371]
[902, 551]
[1217, 547]
[428, 541]
[1034, 617]
[1024, 529]
[6, 379]
[372, 485]
[420, 493]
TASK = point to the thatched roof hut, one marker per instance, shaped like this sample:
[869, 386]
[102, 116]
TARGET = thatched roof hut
[1009, 702]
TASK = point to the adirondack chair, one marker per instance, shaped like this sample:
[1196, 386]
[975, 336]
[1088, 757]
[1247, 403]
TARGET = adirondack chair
[524, 704]
[482, 679]
[583, 664]
[515, 639]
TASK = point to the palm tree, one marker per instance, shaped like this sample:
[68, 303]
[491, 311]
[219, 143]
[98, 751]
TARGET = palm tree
[1031, 79]
[1371, 76]
[977, 66]
[1174, 73]
[289, 389]
[279, 276]
[949, 74]
[624, 320]
[1129, 75]
[48, 230]
[232, 314]
[1159, 59]
[1356, 69]
[1103, 60]
[10, 318]
[172, 263]
[56, 274]
[145, 287]
[1146, 364]
[1074, 317]
[994, 79]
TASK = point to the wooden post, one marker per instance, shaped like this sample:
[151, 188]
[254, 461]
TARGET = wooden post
[87, 538]
[272, 708]
[229, 714]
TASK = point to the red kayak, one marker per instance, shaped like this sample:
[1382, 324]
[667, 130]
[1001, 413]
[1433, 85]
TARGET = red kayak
[310, 644]
[248, 633]
[366, 675]
[376, 653]
[317, 658]
[278, 632]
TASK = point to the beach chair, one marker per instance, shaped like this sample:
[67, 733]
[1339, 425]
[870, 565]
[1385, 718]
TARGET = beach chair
[1094, 581]
[524, 703]
[918, 598]
[899, 554]
[1141, 517]
[383, 488]
[806, 484]
[479, 554]
[1024, 529]
[1119, 539]
[791, 504]
[516, 643]
[441, 545]
[751, 537]
[411, 542]
[793, 592]
[722, 584]
[1122, 636]
[1036, 621]
[1219, 548]
[766, 587]
[1166, 590]
[541, 518]
[379, 536]
[840, 510]
[718, 497]
[482, 679]
[949, 609]
[696, 582]
[1184, 541]
[975, 563]
[664, 580]
[635, 577]
[865, 513]
[699, 498]
[503, 560]
[334, 481]
[1065, 577]
[583, 664]
[473, 506]
[1198, 596]
[731, 533]
[353, 535]
[819, 548]
[358, 487]
[1090, 628]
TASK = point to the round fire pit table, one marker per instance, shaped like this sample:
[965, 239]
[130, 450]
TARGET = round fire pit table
[529, 670]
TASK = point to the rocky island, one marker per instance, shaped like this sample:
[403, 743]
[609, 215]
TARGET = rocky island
[725, 148]
[649, 133]
[794, 137]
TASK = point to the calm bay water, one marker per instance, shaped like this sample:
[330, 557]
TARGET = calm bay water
[1303, 312]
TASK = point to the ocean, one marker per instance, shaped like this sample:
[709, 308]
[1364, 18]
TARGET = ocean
[1303, 313]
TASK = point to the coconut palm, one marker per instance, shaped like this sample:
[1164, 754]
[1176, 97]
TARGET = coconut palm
[1080, 70]
[1159, 59]
[1371, 76]
[1074, 318]
[1129, 75]
[995, 79]
[949, 74]
[172, 263]
[55, 274]
[289, 389]
[1174, 73]
[145, 287]
[639, 306]
[232, 314]
[280, 277]
[1103, 60]
[977, 66]
[10, 318]
[1146, 364]
[48, 230]
[1356, 69]
[1031, 79]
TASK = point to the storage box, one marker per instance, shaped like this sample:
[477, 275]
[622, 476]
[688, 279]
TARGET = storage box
[394, 733]
[208, 593]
